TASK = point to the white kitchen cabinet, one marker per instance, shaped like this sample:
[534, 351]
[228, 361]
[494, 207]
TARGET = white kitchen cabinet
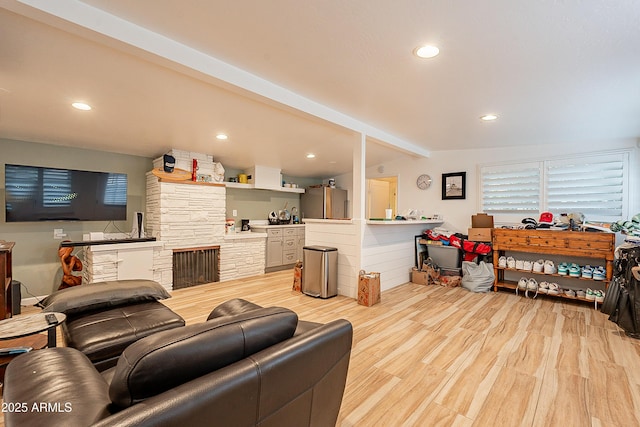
[284, 245]
[274, 248]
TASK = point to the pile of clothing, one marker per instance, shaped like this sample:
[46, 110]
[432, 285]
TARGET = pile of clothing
[631, 227]
[470, 249]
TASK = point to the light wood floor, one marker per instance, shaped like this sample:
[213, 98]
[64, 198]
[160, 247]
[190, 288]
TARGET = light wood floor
[434, 356]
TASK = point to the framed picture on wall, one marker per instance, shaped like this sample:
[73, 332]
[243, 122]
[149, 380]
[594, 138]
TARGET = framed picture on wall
[454, 185]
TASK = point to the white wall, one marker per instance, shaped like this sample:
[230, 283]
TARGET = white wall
[457, 213]
[35, 256]
[384, 249]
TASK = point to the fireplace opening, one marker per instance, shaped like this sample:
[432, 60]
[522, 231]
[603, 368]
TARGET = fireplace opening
[195, 266]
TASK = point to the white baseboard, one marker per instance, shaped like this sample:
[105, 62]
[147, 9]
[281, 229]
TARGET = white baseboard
[32, 301]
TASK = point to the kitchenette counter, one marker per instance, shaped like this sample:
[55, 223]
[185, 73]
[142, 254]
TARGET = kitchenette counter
[284, 244]
[327, 221]
[245, 235]
[269, 227]
[403, 221]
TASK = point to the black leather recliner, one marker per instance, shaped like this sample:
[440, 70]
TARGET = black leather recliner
[104, 318]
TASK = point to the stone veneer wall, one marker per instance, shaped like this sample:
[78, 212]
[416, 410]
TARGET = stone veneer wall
[186, 215]
[242, 257]
[183, 216]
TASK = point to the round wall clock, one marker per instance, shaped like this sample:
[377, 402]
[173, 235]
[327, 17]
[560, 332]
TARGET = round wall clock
[423, 182]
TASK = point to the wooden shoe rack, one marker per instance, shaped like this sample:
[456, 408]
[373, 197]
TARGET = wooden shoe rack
[580, 244]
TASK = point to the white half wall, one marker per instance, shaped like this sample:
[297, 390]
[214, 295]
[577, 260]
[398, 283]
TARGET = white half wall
[344, 236]
[390, 251]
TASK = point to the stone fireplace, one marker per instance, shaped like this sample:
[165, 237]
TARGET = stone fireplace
[186, 216]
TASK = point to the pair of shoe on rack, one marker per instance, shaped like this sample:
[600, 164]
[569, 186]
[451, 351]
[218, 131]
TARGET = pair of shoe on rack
[546, 267]
[504, 262]
[595, 273]
[527, 285]
[549, 288]
[569, 269]
[597, 295]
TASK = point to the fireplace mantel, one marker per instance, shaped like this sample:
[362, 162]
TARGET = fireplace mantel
[189, 182]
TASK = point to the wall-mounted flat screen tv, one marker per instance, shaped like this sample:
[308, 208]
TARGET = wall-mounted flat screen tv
[48, 194]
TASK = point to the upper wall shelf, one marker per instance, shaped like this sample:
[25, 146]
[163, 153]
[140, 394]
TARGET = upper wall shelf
[403, 222]
[253, 187]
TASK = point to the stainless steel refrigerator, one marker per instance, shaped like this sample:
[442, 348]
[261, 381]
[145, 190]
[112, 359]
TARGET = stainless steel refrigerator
[323, 202]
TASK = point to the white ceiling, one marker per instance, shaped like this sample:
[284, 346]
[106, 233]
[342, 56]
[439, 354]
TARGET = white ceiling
[288, 77]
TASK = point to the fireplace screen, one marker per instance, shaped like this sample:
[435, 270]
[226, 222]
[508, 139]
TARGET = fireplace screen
[195, 266]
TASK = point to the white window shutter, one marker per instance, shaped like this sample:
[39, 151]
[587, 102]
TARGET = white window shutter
[513, 188]
[592, 185]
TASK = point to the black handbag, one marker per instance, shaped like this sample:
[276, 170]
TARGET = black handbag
[627, 309]
[610, 302]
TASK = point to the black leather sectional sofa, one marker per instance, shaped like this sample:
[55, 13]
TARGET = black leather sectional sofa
[245, 365]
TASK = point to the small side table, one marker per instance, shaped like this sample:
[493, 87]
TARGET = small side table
[29, 324]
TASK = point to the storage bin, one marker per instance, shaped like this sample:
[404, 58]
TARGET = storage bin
[445, 256]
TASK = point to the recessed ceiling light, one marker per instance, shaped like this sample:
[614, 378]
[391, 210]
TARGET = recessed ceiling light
[81, 106]
[426, 51]
[488, 117]
[222, 137]
[311, 156]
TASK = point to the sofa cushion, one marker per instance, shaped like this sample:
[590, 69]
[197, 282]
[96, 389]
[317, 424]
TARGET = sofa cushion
[167, 359]
[103, 335]
[95, 296]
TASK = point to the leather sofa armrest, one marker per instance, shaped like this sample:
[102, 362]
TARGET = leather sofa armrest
[305, 326]
[54, 387]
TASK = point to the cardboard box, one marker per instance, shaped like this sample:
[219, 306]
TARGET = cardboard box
[450, 278]
[419, 277]
[481, 220]
[369, 289]
[480, 234]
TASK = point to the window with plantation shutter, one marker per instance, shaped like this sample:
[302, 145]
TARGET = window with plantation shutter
[513, 188]
[595, 185]
[591, 185]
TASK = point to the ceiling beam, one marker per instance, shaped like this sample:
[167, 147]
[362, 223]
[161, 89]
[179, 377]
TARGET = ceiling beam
[114, 27]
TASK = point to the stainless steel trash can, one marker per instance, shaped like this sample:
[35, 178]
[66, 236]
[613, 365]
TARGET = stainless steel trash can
[320, 271]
